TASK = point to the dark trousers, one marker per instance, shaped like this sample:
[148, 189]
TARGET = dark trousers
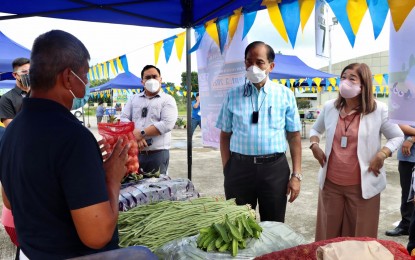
[195, 123]
[265, 184]
[407, 208]
[152, 162]
[411, 243]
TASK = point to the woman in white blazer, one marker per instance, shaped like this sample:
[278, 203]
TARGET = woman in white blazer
[352, 175]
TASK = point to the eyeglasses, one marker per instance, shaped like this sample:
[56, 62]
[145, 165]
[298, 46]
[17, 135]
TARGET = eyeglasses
[20, 72]
[151, 77]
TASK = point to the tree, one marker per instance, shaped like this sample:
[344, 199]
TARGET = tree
[97, 82]
[194, 81]
[303, 103]
[168, 84]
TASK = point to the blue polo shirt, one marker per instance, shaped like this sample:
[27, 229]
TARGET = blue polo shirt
[100, 111]
[49, 165]
[278, 114]
[195, 111]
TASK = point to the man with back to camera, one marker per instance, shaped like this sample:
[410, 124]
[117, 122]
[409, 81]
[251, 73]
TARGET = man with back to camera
[154, 114]
[256, 120]
[11, 102]
[63, 196]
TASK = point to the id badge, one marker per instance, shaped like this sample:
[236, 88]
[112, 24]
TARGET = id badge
[343, 142]
[255, 116]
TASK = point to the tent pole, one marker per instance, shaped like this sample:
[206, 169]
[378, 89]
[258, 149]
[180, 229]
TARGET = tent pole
[189, 105]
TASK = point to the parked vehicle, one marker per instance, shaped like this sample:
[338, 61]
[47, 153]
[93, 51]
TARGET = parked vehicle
[77, 112]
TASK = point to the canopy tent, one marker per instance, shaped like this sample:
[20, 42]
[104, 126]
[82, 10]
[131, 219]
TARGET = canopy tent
[10, 50]
[291, 67]
[193, 13]
[169, 14]
[121, 81]
[7, 84]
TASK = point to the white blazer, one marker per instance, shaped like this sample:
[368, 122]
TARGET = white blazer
[369, 143]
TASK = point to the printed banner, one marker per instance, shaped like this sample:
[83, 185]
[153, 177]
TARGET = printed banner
[122, 95]
[402, 72]
[217, 73]
[322, 28]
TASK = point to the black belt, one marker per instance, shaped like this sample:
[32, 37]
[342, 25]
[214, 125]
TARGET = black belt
[150, 152]
[257, 159]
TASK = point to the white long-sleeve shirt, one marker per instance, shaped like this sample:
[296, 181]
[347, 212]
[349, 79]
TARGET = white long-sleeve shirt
[161, 112]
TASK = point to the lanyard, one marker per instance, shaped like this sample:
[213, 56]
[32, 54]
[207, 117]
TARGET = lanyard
[347, 127]
[255, 114]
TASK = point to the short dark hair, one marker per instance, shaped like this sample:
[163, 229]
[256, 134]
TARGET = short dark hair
[197, 94]
[147, 67]
[19, 62]
[270, 50]
[52, 53]
[100, 102]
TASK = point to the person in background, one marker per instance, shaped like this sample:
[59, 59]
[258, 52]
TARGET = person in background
[256, 121]
[64, 198]
[10, 105]
[196, 119]
[406, 157]
[154, 114]
[352, 175]
[11, 102]
[118, 107]
[100, 111]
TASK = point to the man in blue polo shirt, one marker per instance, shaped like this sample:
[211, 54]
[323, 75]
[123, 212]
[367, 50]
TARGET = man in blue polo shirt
[196, 119]
[63, 197]
[256, 120]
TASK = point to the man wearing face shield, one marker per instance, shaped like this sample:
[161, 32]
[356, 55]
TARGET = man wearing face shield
[154, 114]
[256, 120]
[64, 198]
[11, 102]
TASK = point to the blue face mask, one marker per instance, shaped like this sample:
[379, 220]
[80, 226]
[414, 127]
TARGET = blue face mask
[80, 102]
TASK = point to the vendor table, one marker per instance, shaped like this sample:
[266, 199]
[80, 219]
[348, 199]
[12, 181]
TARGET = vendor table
[149, 190]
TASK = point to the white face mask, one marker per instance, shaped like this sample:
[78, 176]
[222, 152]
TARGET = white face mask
[80, 102]
[348, 89]
[255, 74]
[152, 85]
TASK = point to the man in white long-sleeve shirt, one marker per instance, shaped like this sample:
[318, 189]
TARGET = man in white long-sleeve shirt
[154, 114]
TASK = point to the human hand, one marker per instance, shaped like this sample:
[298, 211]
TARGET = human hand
[137, 134]
[105, 149]
[114, 166]
[142, 144]
[319, 155]
[293, 188]
[406, 148]
[377, 163]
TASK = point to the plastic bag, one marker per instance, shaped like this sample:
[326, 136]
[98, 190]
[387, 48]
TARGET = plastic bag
[112, 131]
[274, 237]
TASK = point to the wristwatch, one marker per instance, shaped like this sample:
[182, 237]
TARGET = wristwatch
[297, 175]
[143, 133]
[409, 139]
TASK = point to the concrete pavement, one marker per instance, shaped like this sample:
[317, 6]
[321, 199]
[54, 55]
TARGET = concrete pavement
[301, 214]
